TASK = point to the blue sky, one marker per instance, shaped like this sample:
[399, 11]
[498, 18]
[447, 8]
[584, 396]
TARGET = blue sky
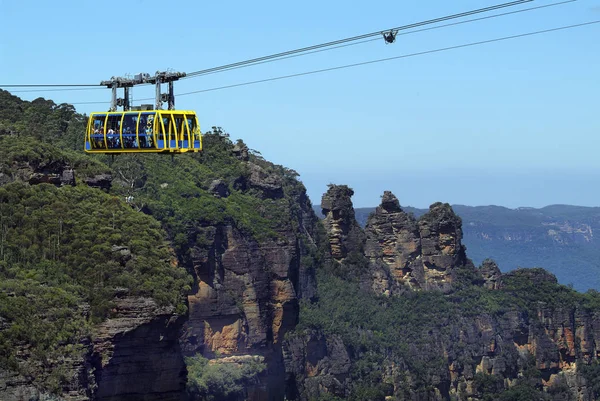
[513, 123]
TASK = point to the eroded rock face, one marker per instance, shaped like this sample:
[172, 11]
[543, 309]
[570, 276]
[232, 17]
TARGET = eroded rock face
[504, 346]
[245, 300]
[57, 173]
[266, 184]
[100, 181]
[247, 290]
[316, 365]
[136, 353]
[243, 293]
[219, 189]
[441, 233]
[16, 387]
[344, 233]
[491, 274]
[393, 247]
[408, 253]
[556, 338]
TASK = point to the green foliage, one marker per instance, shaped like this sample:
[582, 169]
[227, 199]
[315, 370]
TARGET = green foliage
[520, 392]
[375, 327]
[220, 381]
[83, 236]
[62, 249]
[409, 329]
[522, 289]
[43, 156]
[487, 386]
[217, 155]
[591, 373]
[328, 397]
[46, 318]
[43, 120]
[177, 193]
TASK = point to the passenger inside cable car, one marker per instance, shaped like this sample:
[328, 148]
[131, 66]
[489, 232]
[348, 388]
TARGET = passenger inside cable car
[156, 131]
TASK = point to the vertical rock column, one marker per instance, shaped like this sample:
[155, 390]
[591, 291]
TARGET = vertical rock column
[442, 251]
[406, 253]
[343, 232]
[393, 247]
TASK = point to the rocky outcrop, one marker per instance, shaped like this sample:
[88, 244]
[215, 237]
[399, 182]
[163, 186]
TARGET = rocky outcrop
[393, 247]
[100, 181]
[264, 183]
[65, 177]
[417, 254]
[490, 272]
[16, 387]
[500, 348]
[554, 342]
[136, 353]
[243, 293]
[57, 173]
[247, 289]
[316, 365]
[407, 254]
[244, 300]
[219, 189]
[133, 355]
[442, 252]
[344, 233]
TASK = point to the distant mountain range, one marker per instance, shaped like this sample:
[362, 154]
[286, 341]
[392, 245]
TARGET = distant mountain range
[563, 239]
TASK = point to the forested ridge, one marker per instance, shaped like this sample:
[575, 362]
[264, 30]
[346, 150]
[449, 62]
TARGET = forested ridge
[408, 331]
[122, 227]
[78, 233]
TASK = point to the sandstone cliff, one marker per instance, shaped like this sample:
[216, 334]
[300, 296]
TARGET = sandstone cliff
[343, 232]
[134, 355]
[403, 252]
[69, 328]
[418, 254]
[247, 287]
[473, 332]
[400, 310]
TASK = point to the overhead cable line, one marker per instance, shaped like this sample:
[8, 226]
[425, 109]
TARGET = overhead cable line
[338, 46]
[57, 90]
[377, 61]
[394, 58]
[355, 38]
[401, 33]
[313, 49]
[45, 85]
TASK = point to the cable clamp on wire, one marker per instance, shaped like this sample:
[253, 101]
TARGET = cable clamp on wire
[390, 36]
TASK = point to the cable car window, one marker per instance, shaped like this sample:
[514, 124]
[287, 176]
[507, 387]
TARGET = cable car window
[129, 130]
[97, 134]
[160, 135]
[192, 125]
[145, 130]
[168, 127]
[113, 127]
[181, 129]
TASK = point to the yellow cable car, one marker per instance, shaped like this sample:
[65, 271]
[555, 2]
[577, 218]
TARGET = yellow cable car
[143, 131]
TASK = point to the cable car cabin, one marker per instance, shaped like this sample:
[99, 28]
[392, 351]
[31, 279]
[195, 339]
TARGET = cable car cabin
[148, 131]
